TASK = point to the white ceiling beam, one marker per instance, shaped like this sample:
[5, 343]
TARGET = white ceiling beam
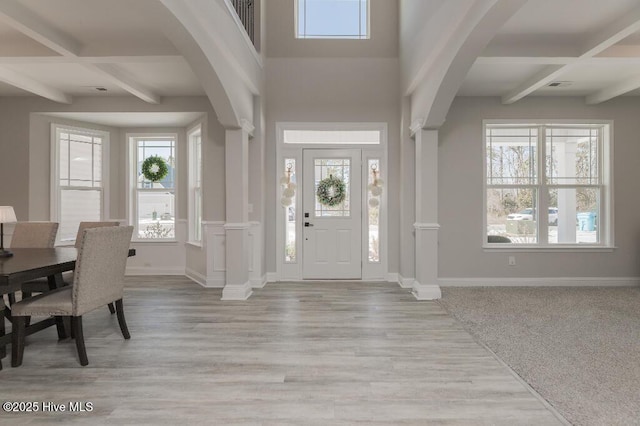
[599, 42]
[613, 33]
[31, 25]
[529, 60]
[122, 80]
[613, 91]
[92, 59]
[28, 84]
[19, 17]
[544, 77]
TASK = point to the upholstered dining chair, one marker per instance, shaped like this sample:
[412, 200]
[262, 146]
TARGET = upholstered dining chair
[41, 285]
[33, 235]
[3, 348]
[98, 280]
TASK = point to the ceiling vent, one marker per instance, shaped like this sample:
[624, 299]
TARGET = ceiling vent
[560, 84]
[94, 88]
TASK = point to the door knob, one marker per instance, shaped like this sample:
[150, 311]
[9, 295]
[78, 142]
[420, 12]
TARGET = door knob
[307, 224]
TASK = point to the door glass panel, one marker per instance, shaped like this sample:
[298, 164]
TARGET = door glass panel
[375, 190]
[290, 210]
[339, 168]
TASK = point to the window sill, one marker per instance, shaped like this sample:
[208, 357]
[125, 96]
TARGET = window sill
[498, 248]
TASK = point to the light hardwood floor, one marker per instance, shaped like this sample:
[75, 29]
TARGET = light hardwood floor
[303, 353]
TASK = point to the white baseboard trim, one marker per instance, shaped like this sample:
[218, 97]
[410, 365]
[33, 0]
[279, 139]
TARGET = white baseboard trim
[426, 291]
[393, 277]
[237, 291]
[204, 281]
[542, 282]
[152, 270]
[272, 277]
[258, 282]
[196, 277]
[405, 282]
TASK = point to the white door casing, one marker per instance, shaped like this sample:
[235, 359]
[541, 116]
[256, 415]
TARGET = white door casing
[332, 243]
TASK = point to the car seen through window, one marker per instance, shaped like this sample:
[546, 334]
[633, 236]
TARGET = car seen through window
[529, 214]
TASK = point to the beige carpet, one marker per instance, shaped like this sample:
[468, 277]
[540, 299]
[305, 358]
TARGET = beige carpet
[578, 347]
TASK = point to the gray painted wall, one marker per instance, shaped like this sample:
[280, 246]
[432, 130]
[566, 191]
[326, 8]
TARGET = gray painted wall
[334, 90]
[461, 197]
[25, 151]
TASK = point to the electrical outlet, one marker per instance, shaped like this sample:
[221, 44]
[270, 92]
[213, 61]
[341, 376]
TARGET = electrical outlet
[512, 261]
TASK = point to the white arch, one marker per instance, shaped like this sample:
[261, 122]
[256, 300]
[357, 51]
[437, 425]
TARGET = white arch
[208, 37]
[435, 84]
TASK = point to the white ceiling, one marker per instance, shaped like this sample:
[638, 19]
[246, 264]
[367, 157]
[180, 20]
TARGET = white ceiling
[66, 48]
[549, 40]
[132, 119]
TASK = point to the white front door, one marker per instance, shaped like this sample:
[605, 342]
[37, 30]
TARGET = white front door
[332, 233]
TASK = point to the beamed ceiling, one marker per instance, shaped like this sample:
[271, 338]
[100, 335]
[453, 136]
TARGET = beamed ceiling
[67, 48]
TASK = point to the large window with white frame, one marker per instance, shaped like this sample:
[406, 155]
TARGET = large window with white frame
[153, 203]
[78, 179]
[336, 19]
[548, 184]
[195, 184]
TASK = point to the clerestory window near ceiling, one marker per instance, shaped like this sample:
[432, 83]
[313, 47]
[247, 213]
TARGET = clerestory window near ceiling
[334, 19]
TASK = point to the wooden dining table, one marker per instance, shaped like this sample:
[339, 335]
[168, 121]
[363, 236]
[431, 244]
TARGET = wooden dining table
[28, 264]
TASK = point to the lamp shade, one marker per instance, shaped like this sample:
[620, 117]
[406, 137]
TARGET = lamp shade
[7, 215]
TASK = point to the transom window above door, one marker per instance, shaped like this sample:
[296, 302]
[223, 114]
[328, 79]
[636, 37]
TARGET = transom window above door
[337, 19]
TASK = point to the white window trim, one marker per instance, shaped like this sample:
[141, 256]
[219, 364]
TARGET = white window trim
[606, 159]
[54, 194]
[131, 181]
[371, 271]
[196, 129]
[297, 36]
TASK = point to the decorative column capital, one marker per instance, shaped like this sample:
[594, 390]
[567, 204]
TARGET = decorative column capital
[240, 225]
[430, 226]
[416, 125]
[247, 126]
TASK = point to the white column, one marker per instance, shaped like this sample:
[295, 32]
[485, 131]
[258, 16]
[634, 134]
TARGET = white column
[425, 286]
[237, 285]
[407, 199]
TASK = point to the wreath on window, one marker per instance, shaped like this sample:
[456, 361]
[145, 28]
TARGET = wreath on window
[154, 168]
[331, 191]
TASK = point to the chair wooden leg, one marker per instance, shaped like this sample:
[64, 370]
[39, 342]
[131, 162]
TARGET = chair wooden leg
[17, 341]
[112, 309]
[121, 320]
[62, 334]
[3, 348]
[76, 326]
[12, 298]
